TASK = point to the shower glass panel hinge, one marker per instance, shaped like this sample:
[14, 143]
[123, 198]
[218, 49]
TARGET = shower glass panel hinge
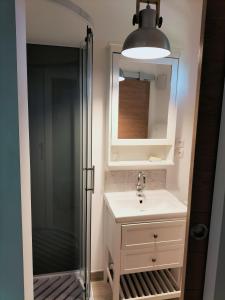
[92, 170]
[82, 283]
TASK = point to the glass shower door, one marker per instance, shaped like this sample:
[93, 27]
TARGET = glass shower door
[60, 115]
[55, 117]
[88, 169]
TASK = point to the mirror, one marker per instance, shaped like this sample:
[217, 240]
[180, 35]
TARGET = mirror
[143, 92]
[143, 100]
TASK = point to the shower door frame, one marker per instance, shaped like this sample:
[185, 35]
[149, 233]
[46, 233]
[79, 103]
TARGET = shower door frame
[20, 26]
[88, 168]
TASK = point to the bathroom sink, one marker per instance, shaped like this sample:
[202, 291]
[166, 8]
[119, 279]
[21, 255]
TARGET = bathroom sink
[156, 204]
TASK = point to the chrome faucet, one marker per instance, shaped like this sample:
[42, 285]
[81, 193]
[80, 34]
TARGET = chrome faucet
[141, 184]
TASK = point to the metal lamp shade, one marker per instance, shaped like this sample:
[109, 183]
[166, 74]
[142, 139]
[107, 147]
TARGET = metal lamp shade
[147, 42]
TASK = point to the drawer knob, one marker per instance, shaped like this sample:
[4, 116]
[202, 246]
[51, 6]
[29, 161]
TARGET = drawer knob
[153, 260]
[155, 236]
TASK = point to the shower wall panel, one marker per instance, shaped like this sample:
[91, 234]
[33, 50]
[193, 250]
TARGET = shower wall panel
[55, 108]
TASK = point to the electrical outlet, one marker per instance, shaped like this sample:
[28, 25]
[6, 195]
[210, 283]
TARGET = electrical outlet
[179, 152]
[179, 143]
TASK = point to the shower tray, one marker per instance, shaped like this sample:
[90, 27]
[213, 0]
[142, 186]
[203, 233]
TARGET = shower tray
[62, 286]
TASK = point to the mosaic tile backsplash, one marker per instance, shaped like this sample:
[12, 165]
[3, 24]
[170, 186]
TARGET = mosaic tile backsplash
[121, 181]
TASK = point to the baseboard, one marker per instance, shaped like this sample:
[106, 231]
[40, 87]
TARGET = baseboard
[97, 276]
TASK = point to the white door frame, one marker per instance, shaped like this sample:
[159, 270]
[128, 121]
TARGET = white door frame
[24, 148]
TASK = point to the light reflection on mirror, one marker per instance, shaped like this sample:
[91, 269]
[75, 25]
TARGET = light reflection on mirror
[144, 98]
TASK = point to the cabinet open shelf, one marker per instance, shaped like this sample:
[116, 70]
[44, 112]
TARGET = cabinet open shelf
[152, 285]
[140, 156]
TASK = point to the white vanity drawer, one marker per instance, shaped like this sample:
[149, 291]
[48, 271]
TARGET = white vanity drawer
[148, 259]
[144, 235]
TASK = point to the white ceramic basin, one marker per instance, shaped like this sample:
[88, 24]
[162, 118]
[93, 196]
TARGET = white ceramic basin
[156, 204]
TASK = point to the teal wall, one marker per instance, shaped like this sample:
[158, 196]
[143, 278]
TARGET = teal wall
[11, 259]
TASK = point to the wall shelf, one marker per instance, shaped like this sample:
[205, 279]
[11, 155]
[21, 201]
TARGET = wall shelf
[138, 157]
[141, 142]
[144, 165]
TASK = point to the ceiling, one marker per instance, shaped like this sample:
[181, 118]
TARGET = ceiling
[51, 23]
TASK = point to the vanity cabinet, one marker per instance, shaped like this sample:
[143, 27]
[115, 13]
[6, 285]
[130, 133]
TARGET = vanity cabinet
[152, 234]
[147, 259]
[143, 260]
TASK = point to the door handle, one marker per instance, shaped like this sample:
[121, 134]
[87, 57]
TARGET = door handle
[199, 232]
[92, 170]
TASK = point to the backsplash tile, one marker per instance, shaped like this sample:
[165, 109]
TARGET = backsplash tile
[121, 181]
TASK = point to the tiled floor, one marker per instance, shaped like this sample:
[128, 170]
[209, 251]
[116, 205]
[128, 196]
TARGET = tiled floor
[101, 291]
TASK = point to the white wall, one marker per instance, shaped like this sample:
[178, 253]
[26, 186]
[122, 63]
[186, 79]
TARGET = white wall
[112, 20]
[178, 177]
[182, 22]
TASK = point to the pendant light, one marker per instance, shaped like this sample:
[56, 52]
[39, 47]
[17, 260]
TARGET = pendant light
[147, 42]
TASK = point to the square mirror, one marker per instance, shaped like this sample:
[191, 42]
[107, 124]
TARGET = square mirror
[143, 100]
[144, 94]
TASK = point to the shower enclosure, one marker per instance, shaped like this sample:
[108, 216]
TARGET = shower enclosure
[62, 175]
